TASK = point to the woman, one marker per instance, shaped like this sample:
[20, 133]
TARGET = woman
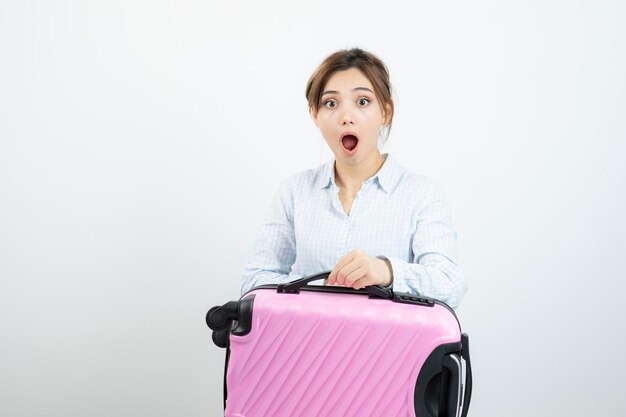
[362, 216]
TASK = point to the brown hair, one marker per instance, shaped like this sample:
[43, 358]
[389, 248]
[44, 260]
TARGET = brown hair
[369, 64]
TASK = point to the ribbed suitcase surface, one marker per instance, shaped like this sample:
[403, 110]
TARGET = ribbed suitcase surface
[320, 353]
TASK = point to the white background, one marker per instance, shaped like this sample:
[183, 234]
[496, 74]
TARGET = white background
[141, 142]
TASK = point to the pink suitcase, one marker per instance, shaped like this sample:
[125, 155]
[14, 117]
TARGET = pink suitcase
[299, 350]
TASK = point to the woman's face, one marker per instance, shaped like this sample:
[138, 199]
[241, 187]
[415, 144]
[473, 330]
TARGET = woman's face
[350, 105]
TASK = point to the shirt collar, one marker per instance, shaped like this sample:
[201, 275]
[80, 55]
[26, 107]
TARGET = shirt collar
[387, 176]
[326, 175]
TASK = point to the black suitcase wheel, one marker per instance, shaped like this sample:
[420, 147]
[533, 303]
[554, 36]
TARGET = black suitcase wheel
[219, 317]
[213, 321]
[220, 338]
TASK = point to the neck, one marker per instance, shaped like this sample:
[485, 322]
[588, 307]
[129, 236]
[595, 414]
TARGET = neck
[350, 177]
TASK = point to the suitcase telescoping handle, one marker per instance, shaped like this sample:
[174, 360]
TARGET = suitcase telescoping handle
[294, 287]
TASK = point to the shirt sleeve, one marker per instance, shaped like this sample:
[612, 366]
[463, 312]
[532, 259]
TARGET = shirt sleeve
[434, 271]
[275, 249]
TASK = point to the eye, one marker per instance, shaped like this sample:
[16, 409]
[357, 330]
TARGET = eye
[364, 99]
[330, 101]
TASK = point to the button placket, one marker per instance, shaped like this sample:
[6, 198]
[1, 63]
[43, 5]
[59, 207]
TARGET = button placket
[358, 198]
[334, 197]
[342, 242]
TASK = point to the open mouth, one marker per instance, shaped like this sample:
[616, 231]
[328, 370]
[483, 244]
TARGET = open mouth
[349, 142]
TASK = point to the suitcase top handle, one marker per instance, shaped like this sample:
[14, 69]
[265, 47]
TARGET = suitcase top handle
[294, 287]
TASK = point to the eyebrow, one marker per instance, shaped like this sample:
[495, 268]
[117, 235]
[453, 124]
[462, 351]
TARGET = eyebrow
[354, 89]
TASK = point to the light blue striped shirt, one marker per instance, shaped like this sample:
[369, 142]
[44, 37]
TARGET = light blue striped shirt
[396, 214]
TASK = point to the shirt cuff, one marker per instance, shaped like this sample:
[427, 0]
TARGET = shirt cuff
[384, 258]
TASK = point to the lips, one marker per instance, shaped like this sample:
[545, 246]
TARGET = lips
[349, 141]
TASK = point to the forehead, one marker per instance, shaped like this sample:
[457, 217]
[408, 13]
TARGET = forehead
[346, 80]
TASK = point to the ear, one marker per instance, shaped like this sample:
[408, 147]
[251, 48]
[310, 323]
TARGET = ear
[387, 115]
[313, 114]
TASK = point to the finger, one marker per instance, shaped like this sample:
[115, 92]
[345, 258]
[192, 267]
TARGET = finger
[346, 271]
[356, 275]
[343, 261]
[363, 282]
[332, 277]
[358, 260]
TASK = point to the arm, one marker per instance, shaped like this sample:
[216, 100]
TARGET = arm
[275, 250]
[434, 271]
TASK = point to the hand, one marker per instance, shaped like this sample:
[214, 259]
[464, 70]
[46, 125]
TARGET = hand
[357, 269]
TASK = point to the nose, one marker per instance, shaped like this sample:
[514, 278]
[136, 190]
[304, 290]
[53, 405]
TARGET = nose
[347, 117]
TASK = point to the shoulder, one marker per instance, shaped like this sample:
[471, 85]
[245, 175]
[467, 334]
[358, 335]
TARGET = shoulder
[304, 181]
[424, 186]
[422, 195]
[418, 186]
[299, 187]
